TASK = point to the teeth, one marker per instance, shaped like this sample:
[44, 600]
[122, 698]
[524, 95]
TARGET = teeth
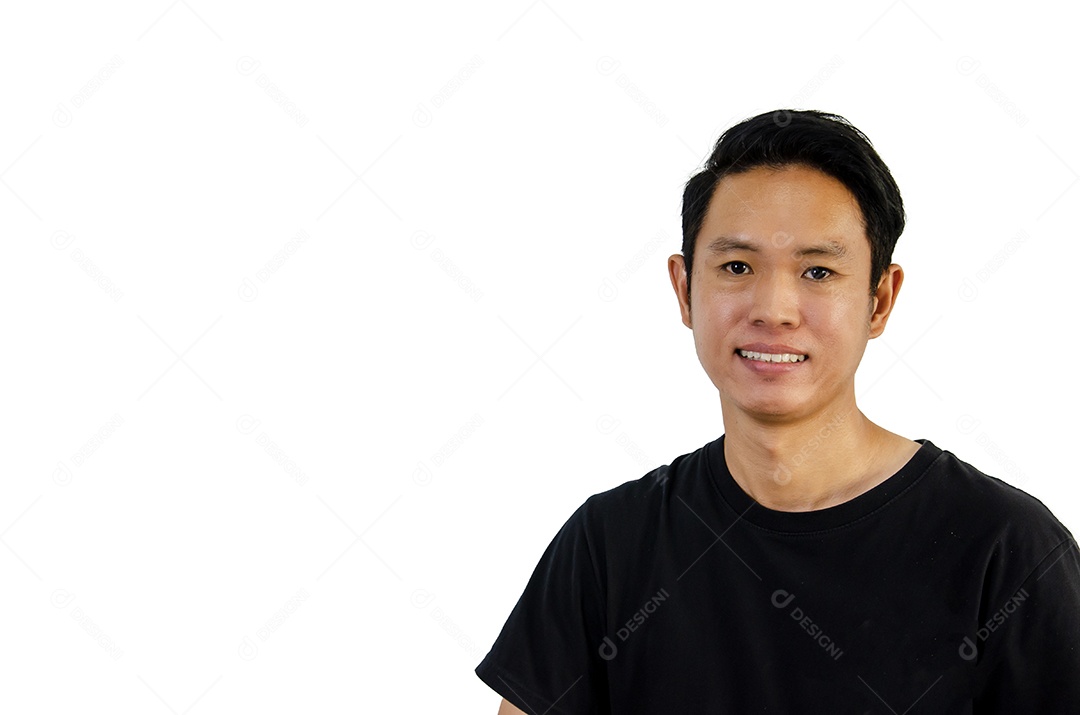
[768, 357]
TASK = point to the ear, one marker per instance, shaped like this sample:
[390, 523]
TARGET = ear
[677, 270]
[885, 298]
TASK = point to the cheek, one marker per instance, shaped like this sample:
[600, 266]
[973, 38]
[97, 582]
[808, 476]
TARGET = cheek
[721, 308]
[841, 325]
[711, 329]
[714, 321]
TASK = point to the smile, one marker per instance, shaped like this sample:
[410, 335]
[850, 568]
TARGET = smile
[768, 357]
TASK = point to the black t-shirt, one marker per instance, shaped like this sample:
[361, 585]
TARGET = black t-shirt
[941, 590]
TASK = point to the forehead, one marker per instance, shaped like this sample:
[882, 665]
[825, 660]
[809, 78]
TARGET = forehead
[793, 206]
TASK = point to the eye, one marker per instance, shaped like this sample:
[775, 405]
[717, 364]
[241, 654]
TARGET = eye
[731, 267]
[818, 273]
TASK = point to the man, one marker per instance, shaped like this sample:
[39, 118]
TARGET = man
[807, 560]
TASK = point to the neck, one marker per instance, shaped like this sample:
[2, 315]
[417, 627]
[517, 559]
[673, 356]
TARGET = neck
[813, 463]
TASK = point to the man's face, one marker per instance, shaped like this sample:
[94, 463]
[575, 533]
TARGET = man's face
[782, 267]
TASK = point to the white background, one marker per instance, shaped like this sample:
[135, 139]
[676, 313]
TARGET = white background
[319, 322]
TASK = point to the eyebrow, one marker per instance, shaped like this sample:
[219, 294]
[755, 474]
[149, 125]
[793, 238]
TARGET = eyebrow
[726, 244]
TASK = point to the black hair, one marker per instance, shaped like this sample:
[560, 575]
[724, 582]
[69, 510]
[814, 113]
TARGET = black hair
[826, 142]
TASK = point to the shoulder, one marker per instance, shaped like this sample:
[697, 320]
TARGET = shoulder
[982, 506]
[633, 509]
[657, 484]
[998, 498]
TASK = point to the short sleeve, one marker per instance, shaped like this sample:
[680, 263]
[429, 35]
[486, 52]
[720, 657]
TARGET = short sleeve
[1029, 647]
[547, 657]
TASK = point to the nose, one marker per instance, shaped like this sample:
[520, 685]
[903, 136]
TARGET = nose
[774, 302]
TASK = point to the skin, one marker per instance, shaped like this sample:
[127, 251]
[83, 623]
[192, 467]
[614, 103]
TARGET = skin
[794, 441]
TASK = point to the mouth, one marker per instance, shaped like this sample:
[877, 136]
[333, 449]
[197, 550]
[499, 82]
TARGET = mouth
[771, 357]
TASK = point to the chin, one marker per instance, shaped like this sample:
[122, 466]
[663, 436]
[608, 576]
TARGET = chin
[787, 405]
[770, 411]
